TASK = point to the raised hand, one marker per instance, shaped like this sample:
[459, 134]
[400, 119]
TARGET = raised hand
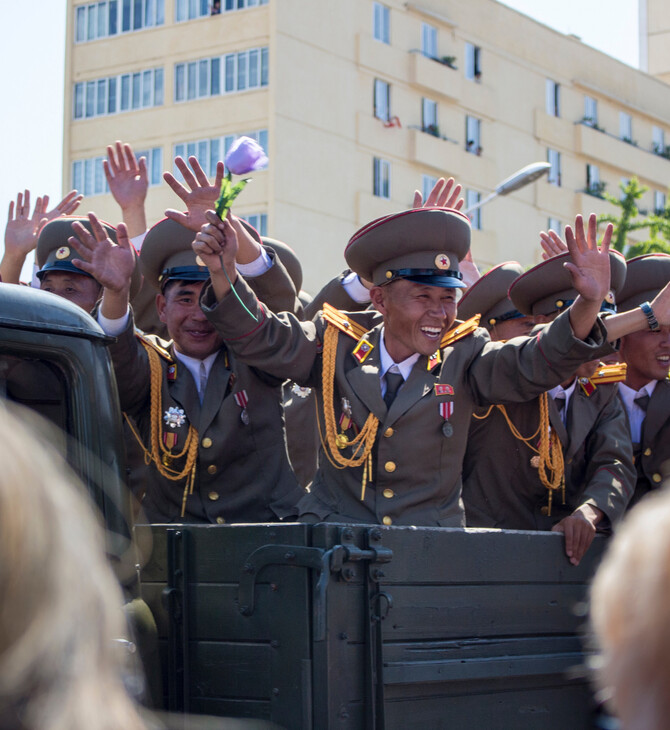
[443, 195]
[128, 183]
[217, 243]
[552, 245]
[110, 264]
[590, 265]
[199, 197]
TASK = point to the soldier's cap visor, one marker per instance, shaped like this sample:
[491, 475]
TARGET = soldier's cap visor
[61, 266]
[429, 277]
[183, 273]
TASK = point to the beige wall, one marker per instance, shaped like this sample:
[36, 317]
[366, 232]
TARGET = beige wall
[323, 137]
[658, 37]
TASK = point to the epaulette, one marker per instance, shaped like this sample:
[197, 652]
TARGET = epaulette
[614, 373]
[343, 322]
[147, 341]
[462, 330]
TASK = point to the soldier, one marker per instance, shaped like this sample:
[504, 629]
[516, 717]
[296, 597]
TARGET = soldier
[559, 462]
[397, 460]
[646, 390]
[210, 426]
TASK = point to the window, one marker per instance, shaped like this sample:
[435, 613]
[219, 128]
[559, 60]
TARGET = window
[553, 224]
[427, 184]
[190, 9]
[381, 23]
[552, 98]
[659, 202]
[626, 127]
[554, 159]
[88, 175]
[118, 94]
[473, 128]
[203, 78]
[590, 111]
[381, 183]
[259, 221]
[472, 198]
[473, 70]
[592, 175]
[210, 151]
[429, 40]
[658, 140]
[625, 182]
[101, 19]
[429, 117]
[382, 100]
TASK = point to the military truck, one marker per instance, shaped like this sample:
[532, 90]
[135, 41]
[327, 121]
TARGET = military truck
[315, 627]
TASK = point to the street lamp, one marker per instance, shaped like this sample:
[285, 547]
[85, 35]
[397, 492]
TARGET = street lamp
[524, 176]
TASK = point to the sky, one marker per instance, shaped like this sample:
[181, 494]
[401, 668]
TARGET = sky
[32, 58]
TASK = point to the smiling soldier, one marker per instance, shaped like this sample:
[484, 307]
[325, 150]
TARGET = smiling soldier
[397, 386]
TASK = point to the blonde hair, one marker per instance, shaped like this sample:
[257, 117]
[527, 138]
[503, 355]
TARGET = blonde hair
[60, 604]
[630, 605]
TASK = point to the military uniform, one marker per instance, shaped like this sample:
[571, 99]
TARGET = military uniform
[412, 474]
[229, 451]
[646, 276]
[502, 486]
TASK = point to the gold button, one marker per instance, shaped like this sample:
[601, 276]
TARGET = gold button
[389, 432]
[388, 493]
[387, 520]
[647, 452]
[389, 466]
[220, 521]
[544, 510]
[206, 442]
[211, 469]
[213, 496]
[656, 478]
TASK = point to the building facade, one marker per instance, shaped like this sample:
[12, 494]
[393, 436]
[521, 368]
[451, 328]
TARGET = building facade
[359, 103]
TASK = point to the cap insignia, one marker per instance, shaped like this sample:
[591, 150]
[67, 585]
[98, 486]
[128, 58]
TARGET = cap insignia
[442, 261]
[62, 253]
[199, 261]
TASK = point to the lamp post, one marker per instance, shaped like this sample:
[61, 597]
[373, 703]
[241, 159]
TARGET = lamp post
[519, 179]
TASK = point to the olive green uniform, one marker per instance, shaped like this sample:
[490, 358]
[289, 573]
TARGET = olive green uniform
[502, 488]
[417, 457]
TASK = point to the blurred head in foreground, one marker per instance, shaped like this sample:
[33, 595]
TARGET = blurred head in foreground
[630, 604]
[60, 605]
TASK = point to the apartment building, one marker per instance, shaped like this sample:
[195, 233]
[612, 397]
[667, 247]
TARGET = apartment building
[359, 103]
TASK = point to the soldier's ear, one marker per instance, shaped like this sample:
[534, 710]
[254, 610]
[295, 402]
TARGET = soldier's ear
[160, 307]
[377, 297]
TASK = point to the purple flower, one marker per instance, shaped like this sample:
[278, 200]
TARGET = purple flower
[245, 155]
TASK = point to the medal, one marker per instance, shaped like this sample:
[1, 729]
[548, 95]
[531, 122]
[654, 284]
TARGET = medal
[447, 411]
[172, 372]
[342, 440]
[443, 389]
[242, 401]
[535, 461]
[174, 417]
[300, 391]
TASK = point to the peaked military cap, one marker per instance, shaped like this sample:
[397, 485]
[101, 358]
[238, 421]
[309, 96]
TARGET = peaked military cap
[488, 296]
[645, 276]
[167, 254]
[547, 287]
[423, 245]
[55, 253]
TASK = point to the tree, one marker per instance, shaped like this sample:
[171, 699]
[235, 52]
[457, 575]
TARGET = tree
[631, 219]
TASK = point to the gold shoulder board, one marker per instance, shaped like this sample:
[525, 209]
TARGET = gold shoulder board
[609, 374]
[463, 329]
[153, 345]
[342, 322]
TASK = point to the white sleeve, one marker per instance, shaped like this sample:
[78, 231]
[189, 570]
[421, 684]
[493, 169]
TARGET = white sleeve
[113, 327]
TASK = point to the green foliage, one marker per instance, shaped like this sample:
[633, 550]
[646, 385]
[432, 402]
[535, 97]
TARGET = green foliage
[629, 218]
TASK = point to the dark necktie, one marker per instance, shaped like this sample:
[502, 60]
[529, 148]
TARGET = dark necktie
[642, 401]
[559, 402]
[393, 382]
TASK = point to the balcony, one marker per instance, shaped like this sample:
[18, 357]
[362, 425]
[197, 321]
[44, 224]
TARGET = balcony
[373, 134]
[555, 201]
[435, 77]
[380, 57]
[553, 131]
[614, 152]
[446, 157]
